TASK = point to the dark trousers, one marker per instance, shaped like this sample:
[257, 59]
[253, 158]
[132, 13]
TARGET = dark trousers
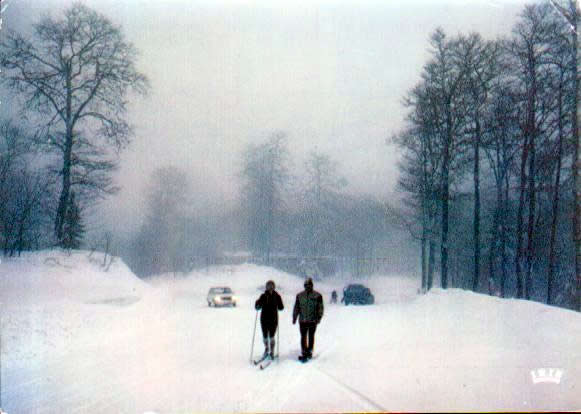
[268, 328]
[307, 337]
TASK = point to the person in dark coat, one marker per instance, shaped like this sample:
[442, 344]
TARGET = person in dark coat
[270, 302]
[308, 310]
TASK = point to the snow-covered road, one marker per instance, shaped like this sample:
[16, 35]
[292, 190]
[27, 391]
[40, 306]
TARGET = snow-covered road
[169, 352]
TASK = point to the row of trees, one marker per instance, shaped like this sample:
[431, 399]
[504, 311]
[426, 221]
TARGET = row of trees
[69, 81]
[307, 215]
[492, 130]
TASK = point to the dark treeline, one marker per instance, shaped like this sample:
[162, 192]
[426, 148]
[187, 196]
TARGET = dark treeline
[490, 159]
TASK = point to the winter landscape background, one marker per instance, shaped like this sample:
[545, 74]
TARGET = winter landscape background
[427, 149]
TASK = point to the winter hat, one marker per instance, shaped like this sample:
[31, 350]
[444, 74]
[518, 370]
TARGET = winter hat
[309, 282]
[270, 282]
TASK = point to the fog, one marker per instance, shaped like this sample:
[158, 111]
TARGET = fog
[225, 74]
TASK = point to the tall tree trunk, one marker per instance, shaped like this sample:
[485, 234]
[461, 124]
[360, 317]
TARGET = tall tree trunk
[476, 208]
[424, 248]
[67, 159]
[424, 261]
[550, 276]
[520, 221]
[494, 236]
[531, 225]
[532, 132]
[576, 158]
[66, 187]
[426, 222]
[431, 260]
[445, 200]
[492, 253]
[504, 236]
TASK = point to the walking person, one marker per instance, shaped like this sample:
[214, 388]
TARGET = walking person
[270, 303]
[308, 310]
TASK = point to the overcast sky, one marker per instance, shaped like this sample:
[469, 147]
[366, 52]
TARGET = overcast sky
[331, 74]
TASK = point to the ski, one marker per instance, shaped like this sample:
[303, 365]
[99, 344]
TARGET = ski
[258, 361]
[266, 362]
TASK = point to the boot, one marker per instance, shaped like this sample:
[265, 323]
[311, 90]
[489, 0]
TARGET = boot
[272, 343]
[266, 353]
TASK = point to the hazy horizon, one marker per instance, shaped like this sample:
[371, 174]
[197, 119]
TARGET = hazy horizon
[331, 75]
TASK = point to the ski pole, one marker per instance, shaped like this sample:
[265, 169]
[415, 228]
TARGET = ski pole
[253, 337]
[278, 344]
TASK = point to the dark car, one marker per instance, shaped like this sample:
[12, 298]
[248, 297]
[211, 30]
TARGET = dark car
[357, 294]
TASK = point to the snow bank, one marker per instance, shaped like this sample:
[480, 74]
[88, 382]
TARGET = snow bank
[49, 300]
[77, 276]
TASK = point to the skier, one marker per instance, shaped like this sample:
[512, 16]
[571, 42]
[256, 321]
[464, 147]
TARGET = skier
[270, 302]
[309, 310]
[334, 296]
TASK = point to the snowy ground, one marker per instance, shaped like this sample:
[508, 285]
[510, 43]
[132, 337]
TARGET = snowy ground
[78, 339]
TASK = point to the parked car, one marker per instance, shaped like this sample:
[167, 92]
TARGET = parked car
[221, 296]
[357, 294]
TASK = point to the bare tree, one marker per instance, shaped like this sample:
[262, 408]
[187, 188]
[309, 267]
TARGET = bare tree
[419, 178]
[444, 80]
[74, 73]
[569, 10]
[266, 175]
[160, 245]
[323, 183]
[562, 87]
[479, 61]
[529, 49]
[501, 149]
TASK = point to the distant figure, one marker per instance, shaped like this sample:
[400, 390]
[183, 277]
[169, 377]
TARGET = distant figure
[270, 302]
[334, 296]
[303, 269]
[309, 310]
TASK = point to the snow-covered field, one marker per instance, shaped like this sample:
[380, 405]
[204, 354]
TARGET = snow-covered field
[77, 338]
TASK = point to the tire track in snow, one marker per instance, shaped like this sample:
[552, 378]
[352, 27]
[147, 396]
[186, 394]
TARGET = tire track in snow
[278, 388]
[353, 391]
[359, 396]
[292, 379]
